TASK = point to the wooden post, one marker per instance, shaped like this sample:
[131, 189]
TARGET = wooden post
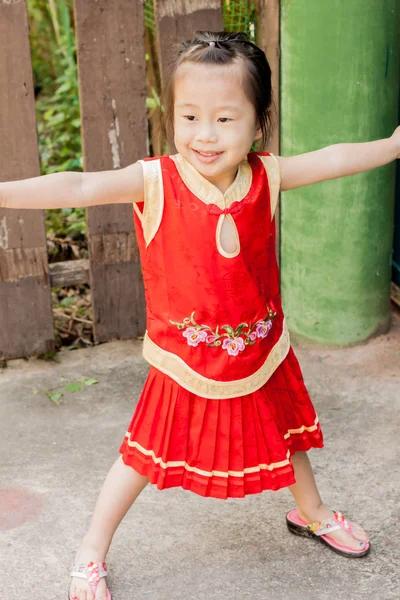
[268, 38]
[177, 21]
[112, 78]
[26, 322]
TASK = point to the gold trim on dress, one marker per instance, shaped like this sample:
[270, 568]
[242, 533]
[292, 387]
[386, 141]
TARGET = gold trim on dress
[225, 474]
[152, 213]
[272, 167]
[175, 367]
[235, 234]
[302, 429]
[181, 463]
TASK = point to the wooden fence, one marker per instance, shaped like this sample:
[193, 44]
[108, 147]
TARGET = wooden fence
[112, 82]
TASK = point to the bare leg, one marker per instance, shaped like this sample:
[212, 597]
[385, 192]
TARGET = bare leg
[310, 506]
[120, 489]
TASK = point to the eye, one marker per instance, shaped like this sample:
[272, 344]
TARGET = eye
[224, 119]
[189, 117]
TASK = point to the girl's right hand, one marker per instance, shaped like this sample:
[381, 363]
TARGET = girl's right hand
[72, 190]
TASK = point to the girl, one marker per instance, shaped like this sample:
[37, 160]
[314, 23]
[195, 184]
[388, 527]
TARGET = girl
[224, 411]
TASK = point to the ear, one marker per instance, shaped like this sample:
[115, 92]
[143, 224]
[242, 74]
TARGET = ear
[258, 134]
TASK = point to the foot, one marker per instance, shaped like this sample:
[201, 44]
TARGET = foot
[80, 588]
[358, 542]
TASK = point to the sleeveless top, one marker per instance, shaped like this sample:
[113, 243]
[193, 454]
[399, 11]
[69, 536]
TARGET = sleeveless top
[214, 318]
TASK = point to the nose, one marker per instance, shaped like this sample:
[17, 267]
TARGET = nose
[207, 133]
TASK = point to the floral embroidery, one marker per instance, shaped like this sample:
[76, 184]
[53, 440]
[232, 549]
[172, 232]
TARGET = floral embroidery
[233, 346]
[262, 329]
[232, 340]
[194, 337]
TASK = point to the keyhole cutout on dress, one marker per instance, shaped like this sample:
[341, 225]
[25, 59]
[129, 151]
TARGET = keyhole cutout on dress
[228, 242]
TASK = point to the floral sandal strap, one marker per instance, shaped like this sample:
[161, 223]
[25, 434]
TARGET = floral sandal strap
[337, 522]
[93, 572]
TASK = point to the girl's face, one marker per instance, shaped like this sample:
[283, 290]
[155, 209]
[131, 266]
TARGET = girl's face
[215, 123]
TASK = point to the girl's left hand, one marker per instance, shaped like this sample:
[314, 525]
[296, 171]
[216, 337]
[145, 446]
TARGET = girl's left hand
[396, 139]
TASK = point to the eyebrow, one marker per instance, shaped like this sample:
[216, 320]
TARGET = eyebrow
[225, 107]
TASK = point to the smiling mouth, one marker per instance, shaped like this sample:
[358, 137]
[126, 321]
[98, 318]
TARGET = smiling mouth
[207, 153]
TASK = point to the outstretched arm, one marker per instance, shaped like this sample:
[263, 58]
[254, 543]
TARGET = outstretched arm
[72, 190]
[336, 161]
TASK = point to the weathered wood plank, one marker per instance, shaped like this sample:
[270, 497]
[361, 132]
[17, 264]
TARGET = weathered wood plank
[111, 60]
[69, 273]
[268, 38]
[26, 322]
[178, 20]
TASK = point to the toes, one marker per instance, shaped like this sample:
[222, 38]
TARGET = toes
[81, 593]
[101, 593]
[89, 595]
[353, 543]
[84, 595]
[359, 532]
[73, 593]
[356, 543]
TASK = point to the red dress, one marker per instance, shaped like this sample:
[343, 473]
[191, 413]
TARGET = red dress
[224, 405]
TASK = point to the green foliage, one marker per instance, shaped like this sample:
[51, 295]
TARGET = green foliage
[69, 222]
[149, 19]
[57, 102]
[59, 122]
[56, 84]
[42, 43]
[240, 15]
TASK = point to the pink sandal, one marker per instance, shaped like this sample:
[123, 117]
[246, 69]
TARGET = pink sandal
[93, 572]
[319, 529]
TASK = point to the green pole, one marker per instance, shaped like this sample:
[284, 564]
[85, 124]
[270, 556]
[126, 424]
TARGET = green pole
[339, 82]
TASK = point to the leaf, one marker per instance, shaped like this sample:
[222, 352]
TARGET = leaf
[68, 301]
[49, 356]
[90, 381]
[240, 328]
[229, 330]
[74, 386]
[55, 397]
[48, 114]
[65, 87]
[151, 103]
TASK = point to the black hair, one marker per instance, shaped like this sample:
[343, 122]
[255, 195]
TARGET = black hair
[224, 48]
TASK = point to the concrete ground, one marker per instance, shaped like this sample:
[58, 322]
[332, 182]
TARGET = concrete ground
[174, 545]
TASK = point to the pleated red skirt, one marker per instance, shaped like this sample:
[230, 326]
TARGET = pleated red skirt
[222, 448]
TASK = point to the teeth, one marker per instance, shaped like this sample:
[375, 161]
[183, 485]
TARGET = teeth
[207, 153]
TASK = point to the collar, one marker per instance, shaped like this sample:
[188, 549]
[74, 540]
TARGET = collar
[206, 191]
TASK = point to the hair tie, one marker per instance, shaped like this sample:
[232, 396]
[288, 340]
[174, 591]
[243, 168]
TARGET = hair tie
[212, 43]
